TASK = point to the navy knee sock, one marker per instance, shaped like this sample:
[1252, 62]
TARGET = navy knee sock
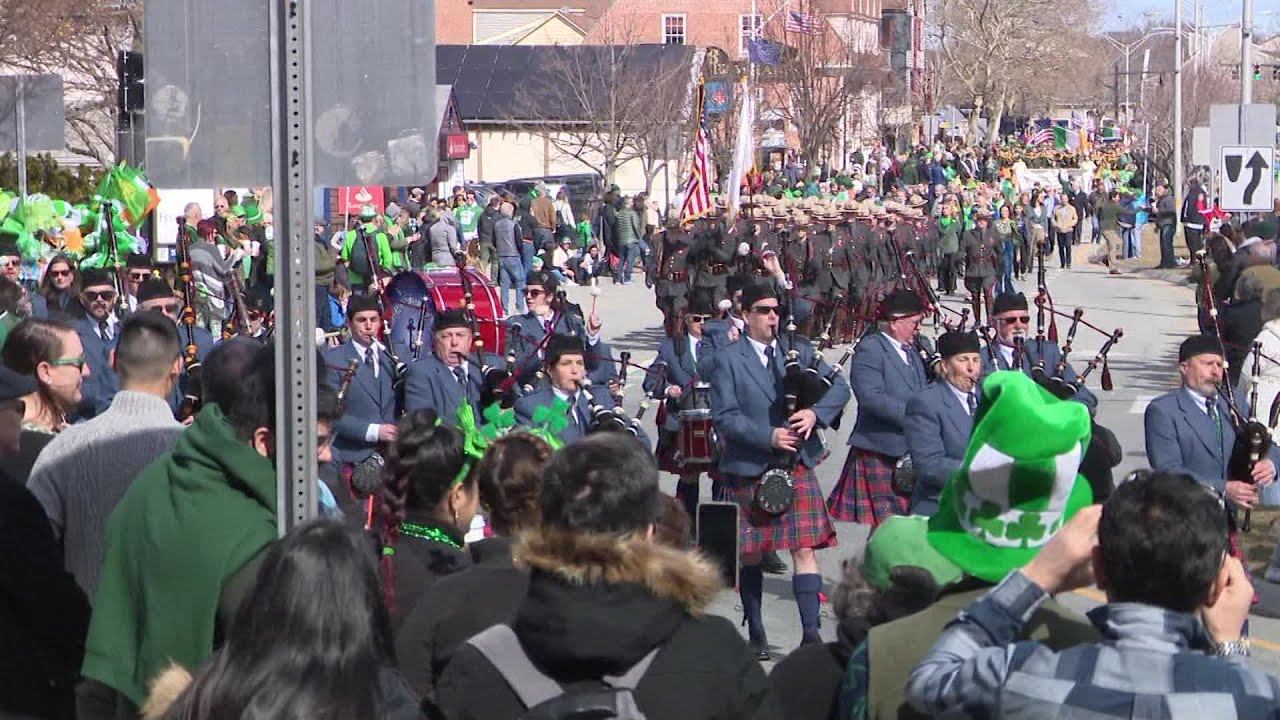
[751, 590]
[806, 588]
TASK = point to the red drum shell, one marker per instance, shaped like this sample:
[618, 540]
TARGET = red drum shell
[697, 438]
[442, 288]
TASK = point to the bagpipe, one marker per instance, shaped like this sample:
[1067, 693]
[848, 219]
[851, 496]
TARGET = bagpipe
[606, 419]
[1253, 438]
[193, 395]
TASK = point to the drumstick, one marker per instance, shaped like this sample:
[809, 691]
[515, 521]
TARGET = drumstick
[595, 293]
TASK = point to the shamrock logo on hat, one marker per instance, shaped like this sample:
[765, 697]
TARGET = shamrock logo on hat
[1020, 481]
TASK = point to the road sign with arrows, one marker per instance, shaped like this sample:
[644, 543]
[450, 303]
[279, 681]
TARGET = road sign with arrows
[1248, 180]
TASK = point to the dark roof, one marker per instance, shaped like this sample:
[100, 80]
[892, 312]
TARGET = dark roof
[497, 82]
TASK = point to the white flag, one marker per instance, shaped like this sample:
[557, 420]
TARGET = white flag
[744, 149]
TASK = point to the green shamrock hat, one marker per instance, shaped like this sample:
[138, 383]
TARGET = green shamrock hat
[1020, 481]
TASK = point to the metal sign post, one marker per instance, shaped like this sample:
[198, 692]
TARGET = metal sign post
[295, 270]
[20, 113]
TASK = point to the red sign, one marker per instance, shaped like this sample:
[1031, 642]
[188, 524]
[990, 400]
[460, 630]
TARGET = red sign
[351, 199]
[457, 147]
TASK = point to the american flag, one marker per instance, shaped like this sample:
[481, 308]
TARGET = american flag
[799, 22]
[1081, 121]
[697, 192]
[1040, 136]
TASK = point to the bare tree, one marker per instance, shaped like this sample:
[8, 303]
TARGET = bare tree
[820, 79]
[604, 105]
[78, 39]
[996, 50]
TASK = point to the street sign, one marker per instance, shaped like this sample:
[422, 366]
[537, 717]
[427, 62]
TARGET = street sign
[1252, 125]
[1246, 178]
[1200, 153]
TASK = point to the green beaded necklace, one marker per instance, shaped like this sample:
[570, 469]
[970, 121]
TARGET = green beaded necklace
[422, 532]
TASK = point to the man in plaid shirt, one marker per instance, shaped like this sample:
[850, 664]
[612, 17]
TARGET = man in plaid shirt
[1172, 648]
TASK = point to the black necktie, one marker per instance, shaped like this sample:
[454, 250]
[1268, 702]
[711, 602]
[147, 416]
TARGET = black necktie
[368, 357]
[1211, 407]
[769, 362]
[973, 403]
[461, 375]
[104, 329]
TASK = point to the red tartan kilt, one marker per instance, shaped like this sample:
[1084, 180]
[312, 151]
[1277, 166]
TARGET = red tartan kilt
[805, 525]
[865, 492]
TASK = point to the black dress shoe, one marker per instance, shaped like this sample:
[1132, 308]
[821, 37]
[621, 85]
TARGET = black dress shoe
[772, 564]
[760, 648]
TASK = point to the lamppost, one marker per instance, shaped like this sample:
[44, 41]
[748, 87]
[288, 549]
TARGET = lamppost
[1127, 49]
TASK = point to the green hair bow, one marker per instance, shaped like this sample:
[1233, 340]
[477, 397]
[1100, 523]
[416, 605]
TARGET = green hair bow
[548, 421]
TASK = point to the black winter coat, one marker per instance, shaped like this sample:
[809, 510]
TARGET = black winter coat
[44, 615]
[596, 606]
[460, 606]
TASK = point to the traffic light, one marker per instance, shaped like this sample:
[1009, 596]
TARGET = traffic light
[1257, 72]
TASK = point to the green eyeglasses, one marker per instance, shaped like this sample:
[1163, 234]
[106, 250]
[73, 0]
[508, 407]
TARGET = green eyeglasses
[75, 362]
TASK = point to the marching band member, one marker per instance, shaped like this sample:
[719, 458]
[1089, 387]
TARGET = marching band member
[566, 370]
[885, 373]
[1189, 430]
[940, 419]
[982, 256]
[370, 414]
[526, 332]
[97, 330]
[155, 294]
[1011, 318]
[682, 358]
[446, 378]
[747, 405]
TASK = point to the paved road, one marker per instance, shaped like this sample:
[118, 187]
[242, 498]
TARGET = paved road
[1155, 314]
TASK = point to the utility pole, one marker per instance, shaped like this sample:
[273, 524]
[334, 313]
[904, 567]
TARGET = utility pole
[1246, 47]
[1177, 107]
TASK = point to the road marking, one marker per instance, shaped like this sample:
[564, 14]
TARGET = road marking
[1140, 403]
[1098, 597]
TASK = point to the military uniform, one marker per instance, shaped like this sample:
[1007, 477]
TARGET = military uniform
[671, 287]
[982, 255]
[712, 252]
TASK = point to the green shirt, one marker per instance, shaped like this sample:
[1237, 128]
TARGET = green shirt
[385, 259]
[468, 217]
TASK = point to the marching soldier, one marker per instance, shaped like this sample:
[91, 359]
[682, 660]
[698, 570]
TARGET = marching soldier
[712, 251]
[672, 276]
[886, 372]
[817, 282]
[448, 378]
[748, 408]
[982, 255]
[527, 334]
[1011, 319]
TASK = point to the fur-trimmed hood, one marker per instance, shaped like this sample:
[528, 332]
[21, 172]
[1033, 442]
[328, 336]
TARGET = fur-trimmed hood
[164, 690]
[685, 577]
[603, 602]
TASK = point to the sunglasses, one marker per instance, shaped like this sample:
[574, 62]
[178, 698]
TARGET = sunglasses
[697, 318]
[139, 276]
[76, 362]
[1024, 319]
[60, 273]
[766, 310]
[95, 295]
[534, 292]
[167, 308]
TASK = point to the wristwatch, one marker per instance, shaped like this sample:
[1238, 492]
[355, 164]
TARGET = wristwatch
[1241, 647]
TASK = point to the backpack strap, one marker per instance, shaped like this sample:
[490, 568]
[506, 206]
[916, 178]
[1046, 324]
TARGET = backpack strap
[500, 646]
[631, 678]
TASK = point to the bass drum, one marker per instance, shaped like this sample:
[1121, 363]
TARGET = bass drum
[441, 289]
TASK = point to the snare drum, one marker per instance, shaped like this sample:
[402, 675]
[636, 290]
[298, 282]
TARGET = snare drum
[441, 289]
[697, 437]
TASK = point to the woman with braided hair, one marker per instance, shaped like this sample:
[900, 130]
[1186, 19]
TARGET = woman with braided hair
[428, 499]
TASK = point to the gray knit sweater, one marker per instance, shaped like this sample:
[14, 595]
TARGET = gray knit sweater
[81, 475]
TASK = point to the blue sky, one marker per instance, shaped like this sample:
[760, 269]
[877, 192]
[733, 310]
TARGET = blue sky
[1129, 12]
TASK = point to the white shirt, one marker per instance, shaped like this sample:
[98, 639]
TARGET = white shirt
[1202, 401]
[112, 324]
[1006, 352]
[693, 347]
[370, 433]
[570, 398]
[759, 348]
[963, 397]
[897, 346]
